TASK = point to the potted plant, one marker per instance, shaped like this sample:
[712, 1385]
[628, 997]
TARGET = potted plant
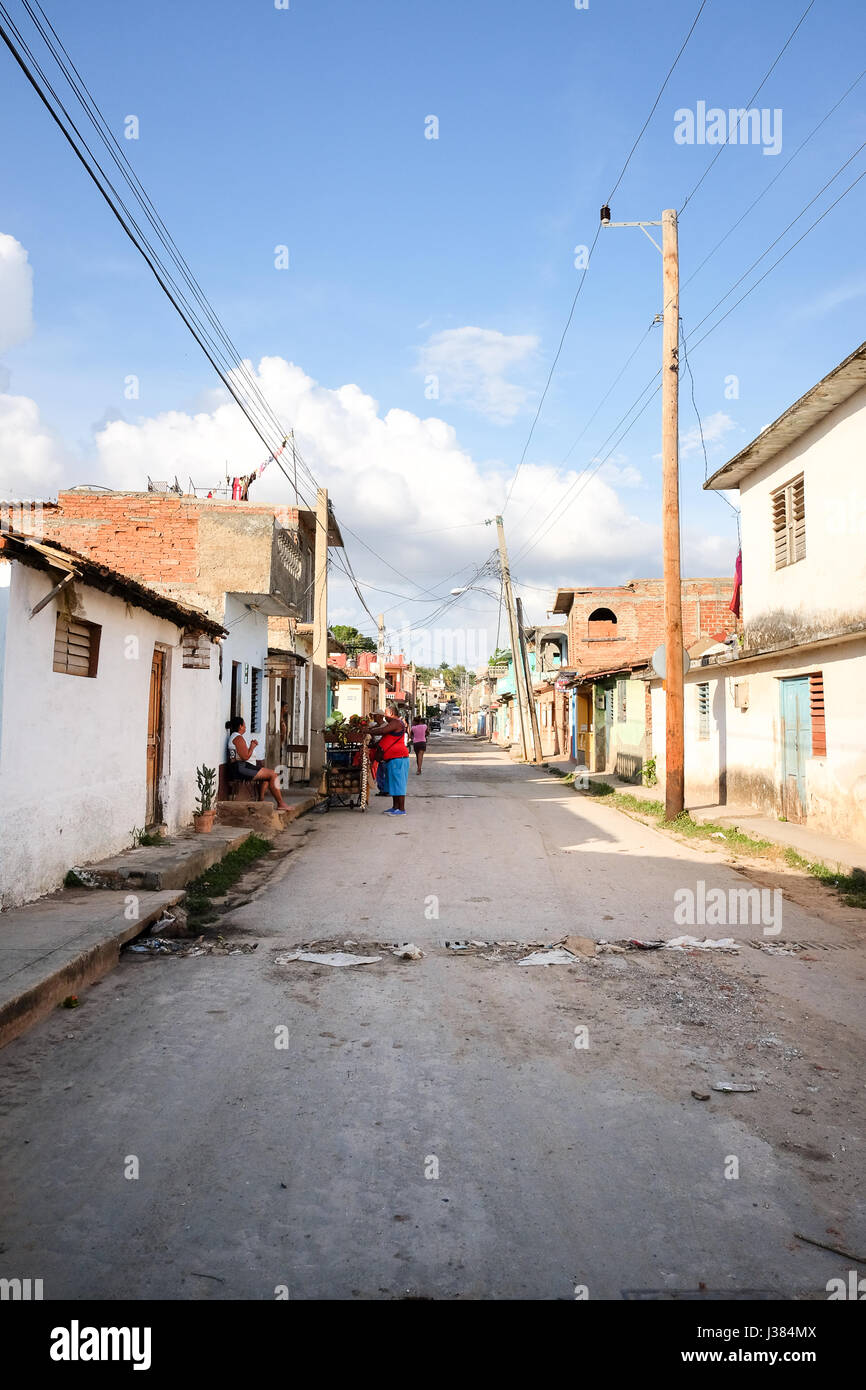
[203, 818]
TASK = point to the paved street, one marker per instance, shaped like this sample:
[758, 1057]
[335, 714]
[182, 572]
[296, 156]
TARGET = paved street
[431, 1129]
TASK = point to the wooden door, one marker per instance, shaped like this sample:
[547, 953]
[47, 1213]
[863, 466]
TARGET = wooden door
[153, 814]
[796, 746]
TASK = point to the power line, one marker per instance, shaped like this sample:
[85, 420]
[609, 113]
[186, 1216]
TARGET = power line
[41, 84]
[609, 198]
[560, 507]
[783, 233]
[590, 254]
[761, 84]
[586, 426]
[777, 176]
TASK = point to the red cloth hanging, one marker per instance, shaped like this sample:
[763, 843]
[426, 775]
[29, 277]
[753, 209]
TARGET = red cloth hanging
[738, 584]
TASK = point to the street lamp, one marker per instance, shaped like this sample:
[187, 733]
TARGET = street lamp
[476, 588]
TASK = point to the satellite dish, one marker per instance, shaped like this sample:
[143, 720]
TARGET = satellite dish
[658, 661]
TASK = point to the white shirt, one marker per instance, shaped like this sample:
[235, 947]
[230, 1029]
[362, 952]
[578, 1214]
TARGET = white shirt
[235, 755]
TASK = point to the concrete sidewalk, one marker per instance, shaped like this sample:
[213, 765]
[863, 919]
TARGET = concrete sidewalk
[54, 947]
[835, 852]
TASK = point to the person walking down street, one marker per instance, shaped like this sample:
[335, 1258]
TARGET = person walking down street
[419, 741]
[394, 760]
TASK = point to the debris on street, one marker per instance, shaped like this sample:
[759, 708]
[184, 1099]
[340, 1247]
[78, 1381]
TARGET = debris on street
[409, 952]
[691, 943]
[733, 1087]
[552, 956]
[337, 958]
[580, 945]
[201, 946]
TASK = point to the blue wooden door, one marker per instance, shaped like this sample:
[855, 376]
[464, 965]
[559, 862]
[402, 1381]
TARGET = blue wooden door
[796, 746]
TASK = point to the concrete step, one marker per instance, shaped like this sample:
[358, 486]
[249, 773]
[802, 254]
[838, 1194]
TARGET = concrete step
[263, 816]
[155, 868]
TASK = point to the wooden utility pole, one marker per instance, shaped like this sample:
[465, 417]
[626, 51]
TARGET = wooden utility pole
[516, 651]
[319, 682]
[380, 662]
[673, 678]
[674, 750]
[536, 733]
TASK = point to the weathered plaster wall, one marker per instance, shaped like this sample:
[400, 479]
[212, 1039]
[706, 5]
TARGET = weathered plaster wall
[73, 749]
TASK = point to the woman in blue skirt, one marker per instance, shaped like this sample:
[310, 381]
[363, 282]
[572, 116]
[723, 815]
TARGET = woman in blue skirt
[394, 760]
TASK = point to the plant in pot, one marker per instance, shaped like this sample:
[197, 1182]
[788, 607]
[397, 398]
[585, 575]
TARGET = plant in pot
[203, 818]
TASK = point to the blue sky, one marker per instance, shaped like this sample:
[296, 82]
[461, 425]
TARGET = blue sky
[305, 127]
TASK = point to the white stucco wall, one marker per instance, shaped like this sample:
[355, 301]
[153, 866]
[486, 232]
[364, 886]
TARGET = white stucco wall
[742, 759]
[73, 749]
[830, 457]
[350, 698]
[247, 642]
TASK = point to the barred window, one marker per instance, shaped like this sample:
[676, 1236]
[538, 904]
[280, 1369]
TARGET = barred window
[76, 646]
[789, 523]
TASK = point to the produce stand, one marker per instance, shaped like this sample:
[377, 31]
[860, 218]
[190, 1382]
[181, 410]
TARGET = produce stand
[346, 766]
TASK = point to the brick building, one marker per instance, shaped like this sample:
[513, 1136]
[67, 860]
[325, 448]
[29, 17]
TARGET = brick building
[617, 626]
[239, 562]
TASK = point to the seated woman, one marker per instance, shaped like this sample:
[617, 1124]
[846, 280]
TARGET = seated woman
[241, 755]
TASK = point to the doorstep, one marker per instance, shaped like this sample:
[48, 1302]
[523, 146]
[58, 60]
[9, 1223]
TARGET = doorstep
[155, 868]
[263, 816]
[55, 947]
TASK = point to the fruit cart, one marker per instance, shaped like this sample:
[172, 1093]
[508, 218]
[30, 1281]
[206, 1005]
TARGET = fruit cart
[346, 765]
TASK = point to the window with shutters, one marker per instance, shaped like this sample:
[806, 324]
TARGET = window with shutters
[816, 709]
[704, 710]
[76, 646]
[621, 698]
[256, 701]
[789, 523]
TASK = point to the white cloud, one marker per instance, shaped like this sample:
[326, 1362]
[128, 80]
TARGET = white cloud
[472, 367]
[16, 293]
[844, 293]
[406, 487]
[31, 458]
[715, 428]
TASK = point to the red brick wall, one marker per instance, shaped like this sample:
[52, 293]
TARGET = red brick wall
[639, 609]
[150, 536]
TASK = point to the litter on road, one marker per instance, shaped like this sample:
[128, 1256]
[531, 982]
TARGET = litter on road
[691, 943]
[580, 945]
[408, 952]
[733, 1087]
[326, 958]
[552, 957]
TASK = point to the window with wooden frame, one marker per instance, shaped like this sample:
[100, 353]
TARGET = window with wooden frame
[816, 710]
[76, 646]
[622, 693]
[704, 710]
[788, 505]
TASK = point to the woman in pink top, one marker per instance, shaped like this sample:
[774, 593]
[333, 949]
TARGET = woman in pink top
[419, 742]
